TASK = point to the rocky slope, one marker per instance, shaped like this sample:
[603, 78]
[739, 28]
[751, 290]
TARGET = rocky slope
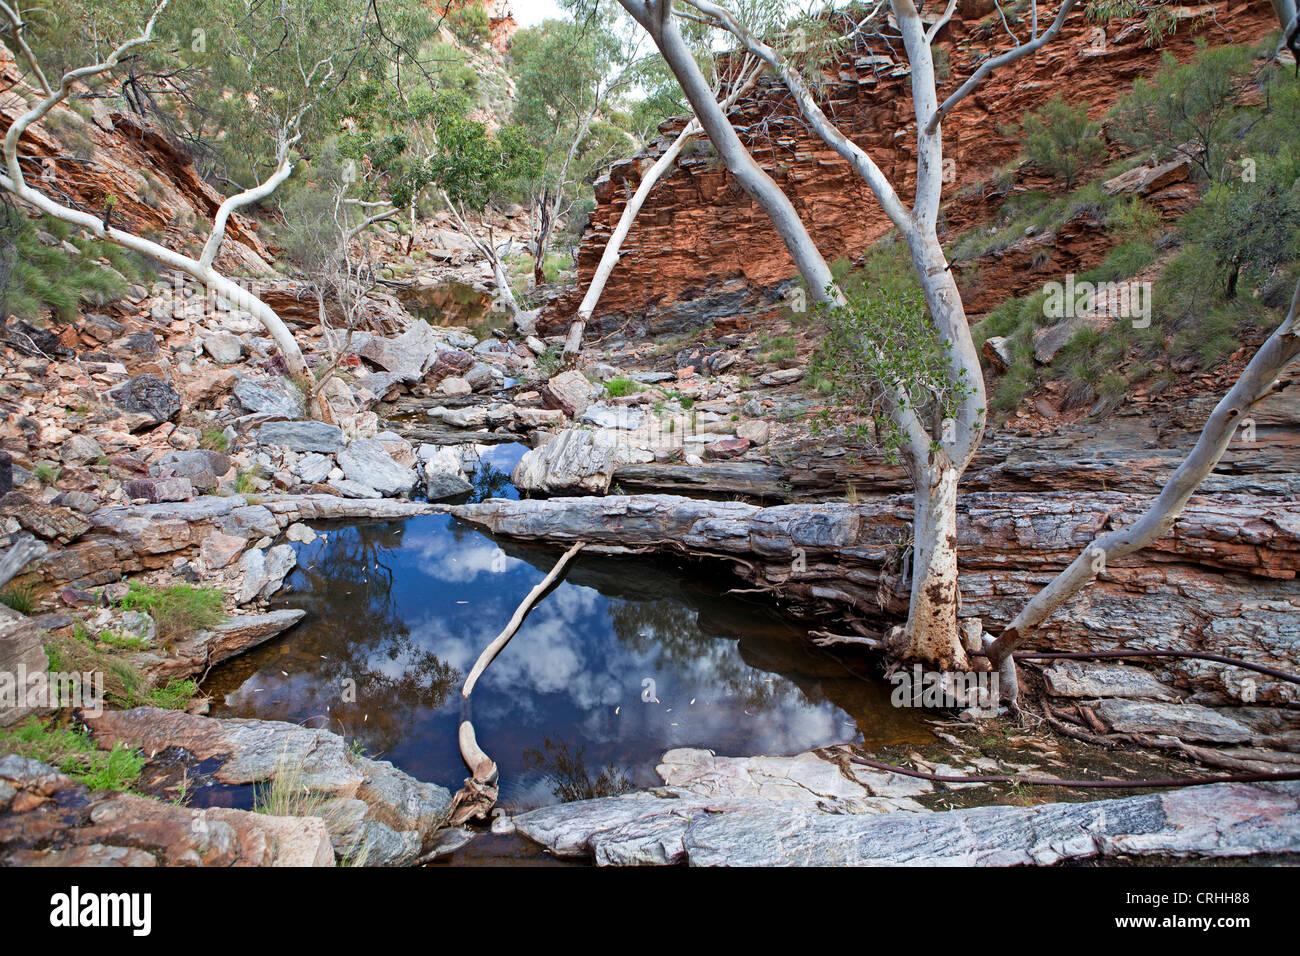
[701, 250]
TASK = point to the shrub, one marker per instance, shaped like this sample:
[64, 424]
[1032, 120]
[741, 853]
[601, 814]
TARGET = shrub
[214, 439]
[1188, 110]
[618, 387]
[19, 597]
[469, 24]
[1061, 140]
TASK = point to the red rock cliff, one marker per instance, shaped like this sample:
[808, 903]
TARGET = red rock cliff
[702, 249]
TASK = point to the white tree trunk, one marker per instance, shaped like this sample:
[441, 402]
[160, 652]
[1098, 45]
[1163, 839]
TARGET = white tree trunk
[931, 634]
[202, 269]
[1257, 382]
[609, 258]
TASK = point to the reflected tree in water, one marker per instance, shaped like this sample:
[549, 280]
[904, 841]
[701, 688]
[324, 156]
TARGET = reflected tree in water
[346, 585]
[568, 775]
[490, 481]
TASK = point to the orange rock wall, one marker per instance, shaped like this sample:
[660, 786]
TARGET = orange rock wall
[700, 238]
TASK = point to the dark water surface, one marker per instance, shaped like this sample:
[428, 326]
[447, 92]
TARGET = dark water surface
[626, 658]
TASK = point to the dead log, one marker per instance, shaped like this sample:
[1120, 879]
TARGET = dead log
[24, 551]
[479, 794]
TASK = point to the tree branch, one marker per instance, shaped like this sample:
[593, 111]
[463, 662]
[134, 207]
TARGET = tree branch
[997, 62]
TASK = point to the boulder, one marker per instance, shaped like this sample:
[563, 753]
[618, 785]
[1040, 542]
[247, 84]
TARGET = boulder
[575, 459]
[155, 490]
[1143, 180]
[225, 348]
[407, 355]
[443, 476]
[202, 466]
[299, 533]
[1184, 721]
[367, 462]
[569, 391]
[193, 654]
[398, 447]
[148, 395]
[1098, 679]
[79, 450]
[262, 573]
[454, 386]
[997, 349]
[218, 549]
[21, 652]
[302, 436]
[449, 363]
[613, 416]
[482, 378]
[102, 328]
[249, 521]
[313, 467]
[353, 489]
[471, 416]
[439, 486]
[45, 521]
[756, 431]
[1048, 341]
[783, 376]
[272, 396]
[726, 448]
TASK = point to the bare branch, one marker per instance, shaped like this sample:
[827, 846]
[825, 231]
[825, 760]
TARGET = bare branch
[994, 63]
[1257, 382]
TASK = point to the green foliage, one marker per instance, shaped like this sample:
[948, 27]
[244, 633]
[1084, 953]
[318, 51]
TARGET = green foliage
[214, 439]
[1249, 226]
[777, 348]
[46, 473]
[1061, 140]
[881, 349]
[1158, 17]
[174, 695]
[618, 387]
[469, 24]
[177, 610]
[474, 166]
[1188, 110]
[36, 278]
[19, 597]
[245, 481]
[74, 753]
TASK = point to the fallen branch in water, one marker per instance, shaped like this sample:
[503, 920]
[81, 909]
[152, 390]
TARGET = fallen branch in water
[502, 639]
[479, 795]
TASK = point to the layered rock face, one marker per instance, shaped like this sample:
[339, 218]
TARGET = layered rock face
[1223, 581]
[701, 249]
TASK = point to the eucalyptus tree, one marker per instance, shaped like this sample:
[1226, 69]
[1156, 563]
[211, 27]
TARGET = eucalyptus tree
[925, 379]
[275, 74]
[570, 80]
[470, 167]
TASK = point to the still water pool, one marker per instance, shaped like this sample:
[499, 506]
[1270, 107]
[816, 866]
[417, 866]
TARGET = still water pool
[624, 659]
